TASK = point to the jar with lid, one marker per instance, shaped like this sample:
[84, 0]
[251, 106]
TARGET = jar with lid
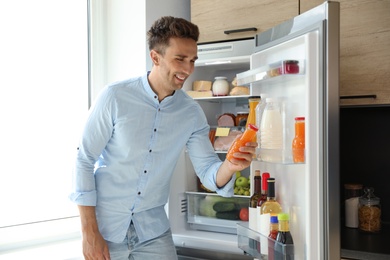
[369, 211]
[220, 86]
[352, 192]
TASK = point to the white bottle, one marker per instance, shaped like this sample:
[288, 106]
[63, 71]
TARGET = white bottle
[271, 132]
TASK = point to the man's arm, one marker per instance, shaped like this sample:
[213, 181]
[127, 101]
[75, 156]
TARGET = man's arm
[94, 246]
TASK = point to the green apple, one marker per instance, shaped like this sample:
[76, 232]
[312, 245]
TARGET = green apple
[242, 181]
[238, 174]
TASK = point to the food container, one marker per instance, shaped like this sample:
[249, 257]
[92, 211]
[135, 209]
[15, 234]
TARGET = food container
[220, 86]
[352, 193]
[203, 215]
[369, 211]
[241, 118]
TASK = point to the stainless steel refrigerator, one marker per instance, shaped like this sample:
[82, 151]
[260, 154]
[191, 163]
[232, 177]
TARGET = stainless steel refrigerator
[308, 191]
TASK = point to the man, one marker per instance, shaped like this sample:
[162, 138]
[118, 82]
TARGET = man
[131, 142]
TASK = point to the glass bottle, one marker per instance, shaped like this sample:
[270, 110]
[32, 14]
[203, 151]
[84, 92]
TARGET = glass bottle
[248, 136]
[253, 200]
[220, 86]
[284, 238]
[352, 193]
[269, 208]
[253, 101]
[264, 189]
[369, 211]
[298, 144]
[271, 132]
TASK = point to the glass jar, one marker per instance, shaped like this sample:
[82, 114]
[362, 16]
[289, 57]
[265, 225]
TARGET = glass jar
[369, 211]
[220, 86]
[352, 193]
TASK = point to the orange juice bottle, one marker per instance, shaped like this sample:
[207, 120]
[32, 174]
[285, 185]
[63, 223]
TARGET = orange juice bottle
[248, 136]
[298, 144]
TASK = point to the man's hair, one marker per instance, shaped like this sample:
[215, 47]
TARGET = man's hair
[170, 27]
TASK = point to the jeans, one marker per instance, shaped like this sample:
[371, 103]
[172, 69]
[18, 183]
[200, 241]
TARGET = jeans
[161, 248]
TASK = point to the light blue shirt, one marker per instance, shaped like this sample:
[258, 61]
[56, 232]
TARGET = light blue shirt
[127, 154]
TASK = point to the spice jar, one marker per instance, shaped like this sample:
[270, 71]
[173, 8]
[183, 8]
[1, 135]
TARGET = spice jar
[352, 192]
[369, 211]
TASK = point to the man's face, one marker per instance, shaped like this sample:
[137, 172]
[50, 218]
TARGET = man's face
[177, 63]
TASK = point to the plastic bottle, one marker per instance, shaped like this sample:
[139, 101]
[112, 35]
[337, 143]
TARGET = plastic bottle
[298, 144]
[283, 249]
[254, 199]
[248, 136]
[273, 233]
[271, 132]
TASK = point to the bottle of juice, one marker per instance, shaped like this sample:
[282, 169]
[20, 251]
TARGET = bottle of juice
[298, 144]
[247, 136]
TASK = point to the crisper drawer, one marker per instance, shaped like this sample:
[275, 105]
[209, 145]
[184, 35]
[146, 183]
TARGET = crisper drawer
[211, 212]
[259, 246]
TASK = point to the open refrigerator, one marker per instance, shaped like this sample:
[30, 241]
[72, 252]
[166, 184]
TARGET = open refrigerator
[308, 191]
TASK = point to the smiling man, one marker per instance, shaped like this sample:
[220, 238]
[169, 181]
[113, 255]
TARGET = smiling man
[129, 147]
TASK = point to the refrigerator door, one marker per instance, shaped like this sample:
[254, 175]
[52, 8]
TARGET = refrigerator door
[309, 192]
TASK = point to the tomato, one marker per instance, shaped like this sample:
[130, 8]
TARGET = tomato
[244, 214]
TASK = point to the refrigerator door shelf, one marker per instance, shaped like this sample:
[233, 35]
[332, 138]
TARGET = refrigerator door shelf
[251, 242]
[283, 68]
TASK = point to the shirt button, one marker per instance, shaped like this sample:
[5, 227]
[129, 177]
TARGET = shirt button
[132, 214]
[150, 151]
[159, 109]
[145, 171]
[155, 96]
[139, 193]
[155, 129]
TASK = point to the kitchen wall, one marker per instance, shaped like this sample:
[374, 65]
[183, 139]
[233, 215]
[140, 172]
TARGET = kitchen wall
[365, 152]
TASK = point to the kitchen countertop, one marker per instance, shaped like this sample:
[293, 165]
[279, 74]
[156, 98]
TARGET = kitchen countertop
[356, 244]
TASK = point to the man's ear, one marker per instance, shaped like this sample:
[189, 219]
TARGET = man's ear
[155, 56]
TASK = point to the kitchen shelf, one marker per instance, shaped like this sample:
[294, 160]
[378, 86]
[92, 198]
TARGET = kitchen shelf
[254, 243]
[270, 71]
[361, 245]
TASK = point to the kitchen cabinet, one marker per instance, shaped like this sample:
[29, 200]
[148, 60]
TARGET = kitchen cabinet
[218, 20]
[364, 51]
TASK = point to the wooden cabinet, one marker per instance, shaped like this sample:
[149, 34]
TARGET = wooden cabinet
[217, 18]
[364, 50]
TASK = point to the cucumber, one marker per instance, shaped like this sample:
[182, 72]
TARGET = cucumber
[222, 206]
[229, 215]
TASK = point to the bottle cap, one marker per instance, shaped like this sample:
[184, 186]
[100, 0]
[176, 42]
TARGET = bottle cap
[274, 219]
[253, 127]
[265, 176]
[254, 97]
[300, 118]
[257, 172]
[283, 216]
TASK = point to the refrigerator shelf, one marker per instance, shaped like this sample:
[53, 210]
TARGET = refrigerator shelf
[282, 69]
[224, 99]
[251, 242]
